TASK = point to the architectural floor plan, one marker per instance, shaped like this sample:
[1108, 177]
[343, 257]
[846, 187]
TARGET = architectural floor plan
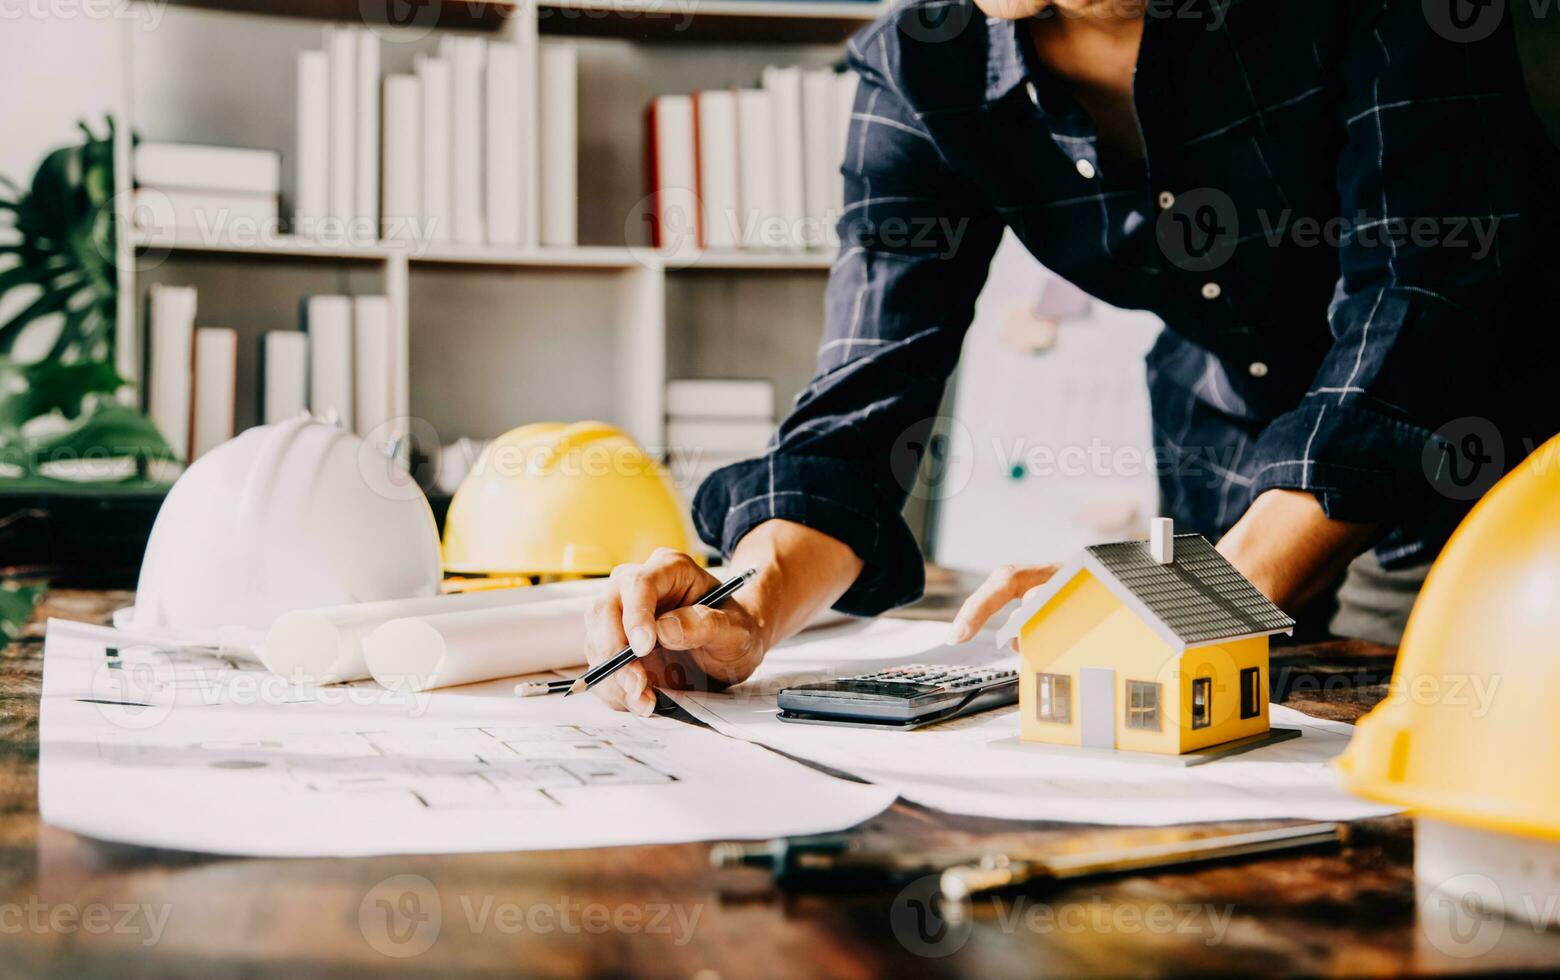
[194, 750]
[489, 766]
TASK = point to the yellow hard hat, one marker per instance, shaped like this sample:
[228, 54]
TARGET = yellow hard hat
[1469, 733]
[557, 499]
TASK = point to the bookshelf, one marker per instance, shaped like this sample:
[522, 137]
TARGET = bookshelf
[492, 337]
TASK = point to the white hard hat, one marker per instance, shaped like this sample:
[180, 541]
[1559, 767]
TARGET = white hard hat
[288, 516]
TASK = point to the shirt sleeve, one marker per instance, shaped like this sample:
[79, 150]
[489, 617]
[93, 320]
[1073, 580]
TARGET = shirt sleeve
[1430, 183]
[915, 243]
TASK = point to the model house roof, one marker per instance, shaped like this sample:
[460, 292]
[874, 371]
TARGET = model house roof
[1194, 599]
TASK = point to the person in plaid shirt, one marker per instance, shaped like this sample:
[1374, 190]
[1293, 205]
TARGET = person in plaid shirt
[1344, 211]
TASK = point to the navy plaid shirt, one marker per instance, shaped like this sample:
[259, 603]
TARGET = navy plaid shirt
[1345, 218]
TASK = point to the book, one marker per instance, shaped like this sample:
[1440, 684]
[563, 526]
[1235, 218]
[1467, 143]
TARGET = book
[718, 436]
[715, 118]
[341, 45]
[674, 217]
[215, 389]
[374, 364]
[720, 398]
[784, 86]
[844, 107]
[401, 202]
[215, 215]
[758, 184]
[366, 149]
[437, 221]
[284, 375]
[311, 178]
[558, 132]
[328, 322]
[525, 36]
[170, 350]
[819, 144]
[465, 55]
[505, 175]
[187, 166]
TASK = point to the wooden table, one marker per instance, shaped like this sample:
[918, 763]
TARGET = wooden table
[76, 907]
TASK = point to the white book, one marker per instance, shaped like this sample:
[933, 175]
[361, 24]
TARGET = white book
[170, 349]
[328, 322]
[716, 112]
[728, 398]
[437, 223]
[401, 204]
[374, 364]
[185, 166]
[284, 375]
[675, 175]
[366, 150]
[213, 215]
[784, 86]
[758, 187]
[466, 55]
[505, 177]
[845, 105]
[311, 179]
[216, 387]
[341, 43]
[530, 123]
[558, 132]
[819, 144]
[718, 436]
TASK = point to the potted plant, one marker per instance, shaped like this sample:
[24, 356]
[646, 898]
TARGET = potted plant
[66, 417]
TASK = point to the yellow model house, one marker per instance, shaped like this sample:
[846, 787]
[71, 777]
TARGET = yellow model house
[1147, 646]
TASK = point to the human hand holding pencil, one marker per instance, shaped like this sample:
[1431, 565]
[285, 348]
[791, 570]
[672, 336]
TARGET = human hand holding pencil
[655, 610]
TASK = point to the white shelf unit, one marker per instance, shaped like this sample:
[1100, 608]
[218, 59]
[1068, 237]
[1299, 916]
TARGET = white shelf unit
[494, 337]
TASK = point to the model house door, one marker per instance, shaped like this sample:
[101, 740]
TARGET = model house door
[1097, 702]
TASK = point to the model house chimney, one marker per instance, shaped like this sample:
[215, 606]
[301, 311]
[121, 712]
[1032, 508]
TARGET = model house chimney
[1161, 540]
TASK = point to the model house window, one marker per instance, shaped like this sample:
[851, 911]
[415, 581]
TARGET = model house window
[1053, 697]
[1250, 692]
[1143, 705]
[1202, 695]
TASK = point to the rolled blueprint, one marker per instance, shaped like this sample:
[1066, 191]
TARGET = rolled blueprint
[325, 646]
[421, 652]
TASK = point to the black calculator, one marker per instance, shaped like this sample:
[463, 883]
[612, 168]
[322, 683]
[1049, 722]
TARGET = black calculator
[903, 697]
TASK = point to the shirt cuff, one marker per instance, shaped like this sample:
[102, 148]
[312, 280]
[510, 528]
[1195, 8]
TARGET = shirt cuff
[825, 494]
[1361, 465]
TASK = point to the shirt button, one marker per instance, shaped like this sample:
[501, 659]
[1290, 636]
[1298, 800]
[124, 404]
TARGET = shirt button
[1258, 369]
[1212, 290]
[1166, 200]
[1086, 170]
[1034, 93]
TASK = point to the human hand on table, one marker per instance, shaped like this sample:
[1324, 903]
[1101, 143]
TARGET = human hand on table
[1003, 586]
[680, 645]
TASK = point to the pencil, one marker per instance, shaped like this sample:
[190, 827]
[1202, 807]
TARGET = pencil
[532, 689]
[625, 656]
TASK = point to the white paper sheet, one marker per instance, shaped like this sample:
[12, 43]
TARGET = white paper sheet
[955, 767]
[205, 752]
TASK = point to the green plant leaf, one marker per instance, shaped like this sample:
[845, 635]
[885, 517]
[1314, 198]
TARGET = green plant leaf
[17, 603]
[24, 273]
[52, 301]
[56, 387]
[111, 431]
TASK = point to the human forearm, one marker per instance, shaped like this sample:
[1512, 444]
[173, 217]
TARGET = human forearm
[1290, 549]
[801, 572]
